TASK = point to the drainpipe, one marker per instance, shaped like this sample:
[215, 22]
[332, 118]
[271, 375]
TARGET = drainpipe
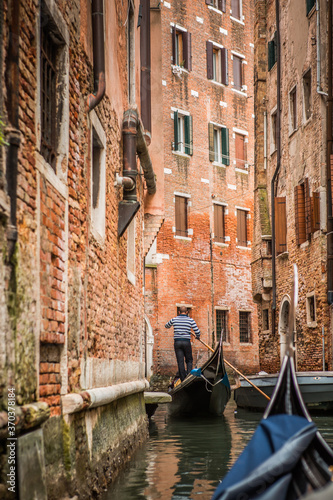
[329, 162]
[133, 143]
[145, 87]
[319, 91]
[265, 140]
[97, 18]
[278, 160]
[12, 133]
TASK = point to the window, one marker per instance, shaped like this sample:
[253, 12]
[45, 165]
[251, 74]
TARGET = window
[273, 131]
[98, 178]
[309, 6]
[240, 150]
[131, 252]
[292, 110]
[53, 120]
[236, 8]
[302, 212]
[222, 325]
[238, 72]
[272, 52]
[131, 54]
[242, 227]
[181, 48]
[219, 223]
[311, 309]
[217, 63]
[307, 104]
[51, 45]
[218, 4]
[280, 225]
[244, 327]
[181, 204]
[183, 133]
[265, 320]
[218, 144]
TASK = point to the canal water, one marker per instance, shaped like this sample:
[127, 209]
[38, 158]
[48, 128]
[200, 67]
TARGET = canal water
[186, 459]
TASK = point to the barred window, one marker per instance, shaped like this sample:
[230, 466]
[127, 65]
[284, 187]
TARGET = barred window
[222, 325]
[244, 327]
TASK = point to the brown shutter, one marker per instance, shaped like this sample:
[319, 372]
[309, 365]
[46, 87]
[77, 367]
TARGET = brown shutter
[242, 74]
[223, 6]
[181, 215]
[239, 150]
[219, 4]
[235, 8]
[241, 228]
[209, 2]
[211, 142]
[173, 45]
[187, 50]
[280, 225]
[307, 206]
[224, 66]
[315, 212]
[237, 72]
[209, 51]
[300, 214]
[219, 223]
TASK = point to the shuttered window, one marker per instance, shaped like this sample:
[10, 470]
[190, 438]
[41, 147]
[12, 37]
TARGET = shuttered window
[217, 63]
[181, 215]
[236, 8]
[218, 144]
[238, 76]
[222, 325]
[240, 150]
[293, 109]
[244, 327]
[218, 4]
[181, 48]
[302, 212]
[242, 227]
[219, 223]
[315, 212]
[183, 133]
[272, 52]
[280, 225]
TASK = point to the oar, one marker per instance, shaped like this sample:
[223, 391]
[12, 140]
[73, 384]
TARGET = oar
[235, 369]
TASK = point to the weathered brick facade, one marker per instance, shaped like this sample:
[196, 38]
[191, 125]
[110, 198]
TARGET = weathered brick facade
[71, 300]
[195, 268]
[303, 168]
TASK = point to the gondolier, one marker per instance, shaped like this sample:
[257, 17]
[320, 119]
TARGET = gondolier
[182, 326]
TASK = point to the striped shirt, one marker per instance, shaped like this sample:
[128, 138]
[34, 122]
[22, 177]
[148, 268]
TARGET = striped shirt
[182, 325]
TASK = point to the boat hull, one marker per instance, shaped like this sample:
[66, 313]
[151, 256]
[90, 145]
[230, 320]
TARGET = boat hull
[316, 389]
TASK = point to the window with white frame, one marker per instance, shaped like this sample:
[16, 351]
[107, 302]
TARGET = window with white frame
[218, 143]
[236, 9]
[181, 48]
[97, 177]
[217, 4]
[238, 72]
[183, 132]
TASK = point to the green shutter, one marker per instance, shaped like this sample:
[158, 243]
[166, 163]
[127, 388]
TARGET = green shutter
[211, 142]
[175, 128]
[309, 5]
[188, 135]
[225, 145]
[270, 54]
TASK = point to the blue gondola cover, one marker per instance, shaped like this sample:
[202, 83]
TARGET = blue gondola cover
[264, 469]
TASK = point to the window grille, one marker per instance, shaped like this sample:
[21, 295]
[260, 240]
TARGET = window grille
[244, 327]
[222, 325]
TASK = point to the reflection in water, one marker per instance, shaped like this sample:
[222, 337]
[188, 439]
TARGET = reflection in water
[186, 459]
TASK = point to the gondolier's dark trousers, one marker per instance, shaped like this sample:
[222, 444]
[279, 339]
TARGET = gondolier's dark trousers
[183, 349]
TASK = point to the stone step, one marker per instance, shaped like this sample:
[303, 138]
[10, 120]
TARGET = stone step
[157, 397]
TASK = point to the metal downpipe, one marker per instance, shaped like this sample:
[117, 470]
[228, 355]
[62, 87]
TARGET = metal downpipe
[97, 16]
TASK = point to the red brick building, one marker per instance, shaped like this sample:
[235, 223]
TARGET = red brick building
[293, 192]
[203, 251]
[79, 209]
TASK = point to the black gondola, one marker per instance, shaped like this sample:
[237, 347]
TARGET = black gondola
[287, 458]
[205, 390]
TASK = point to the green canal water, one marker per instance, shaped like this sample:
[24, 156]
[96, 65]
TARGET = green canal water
[185, 459]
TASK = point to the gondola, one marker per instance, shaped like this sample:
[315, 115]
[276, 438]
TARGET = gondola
[205, 391]
[287, 458]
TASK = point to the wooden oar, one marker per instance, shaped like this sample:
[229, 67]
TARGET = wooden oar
[235, 369]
